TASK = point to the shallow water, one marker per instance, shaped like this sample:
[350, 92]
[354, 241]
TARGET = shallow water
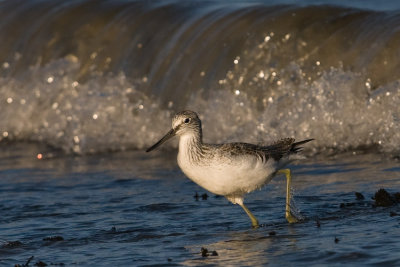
[134, 208]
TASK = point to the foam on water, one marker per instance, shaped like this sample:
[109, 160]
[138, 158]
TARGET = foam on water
[110, 113]
[105, 113]
[338, 108]
[253, 72]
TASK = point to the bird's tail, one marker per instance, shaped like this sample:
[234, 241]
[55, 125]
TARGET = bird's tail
[295, 147]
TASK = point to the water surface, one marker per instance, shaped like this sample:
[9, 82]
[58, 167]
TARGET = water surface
[132, 208]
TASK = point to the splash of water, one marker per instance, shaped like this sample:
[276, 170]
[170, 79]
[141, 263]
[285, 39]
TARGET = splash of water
[279, 79]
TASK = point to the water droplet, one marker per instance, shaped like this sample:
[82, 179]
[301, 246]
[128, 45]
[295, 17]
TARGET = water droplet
[76, 149]
[17, 56]
[72, 58]
[222, 81]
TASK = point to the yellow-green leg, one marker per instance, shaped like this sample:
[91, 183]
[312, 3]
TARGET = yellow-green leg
[288, 214]
[254, 221]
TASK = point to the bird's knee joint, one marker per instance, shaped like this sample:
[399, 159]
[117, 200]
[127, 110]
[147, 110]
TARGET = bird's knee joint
[285, 172]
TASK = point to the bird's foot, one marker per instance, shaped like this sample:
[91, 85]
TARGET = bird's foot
[292, 218]
[255, 224]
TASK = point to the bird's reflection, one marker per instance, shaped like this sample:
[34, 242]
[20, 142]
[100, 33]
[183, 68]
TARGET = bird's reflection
[247, 248]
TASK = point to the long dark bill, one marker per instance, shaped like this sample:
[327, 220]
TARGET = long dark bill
[170, 134]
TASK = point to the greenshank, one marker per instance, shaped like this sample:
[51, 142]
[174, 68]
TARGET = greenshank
[233, 169]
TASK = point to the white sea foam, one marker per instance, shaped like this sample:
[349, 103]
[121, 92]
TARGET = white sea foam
[292, 74]
[110, 113]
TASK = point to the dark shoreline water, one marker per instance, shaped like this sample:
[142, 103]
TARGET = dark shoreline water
[132, 208]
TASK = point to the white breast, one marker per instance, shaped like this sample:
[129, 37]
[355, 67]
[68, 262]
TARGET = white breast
[235, 176]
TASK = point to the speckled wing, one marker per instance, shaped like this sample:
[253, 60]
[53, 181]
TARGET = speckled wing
[284, 147]
[279, 148]
[276, 150]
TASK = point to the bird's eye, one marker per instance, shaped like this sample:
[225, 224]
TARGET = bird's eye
[187, 120]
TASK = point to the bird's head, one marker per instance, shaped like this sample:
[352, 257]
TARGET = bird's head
[184, 123]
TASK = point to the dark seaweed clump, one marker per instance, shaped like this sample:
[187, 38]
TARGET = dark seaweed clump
[53, 238]
[384, 199]
[11, 244]
[25, 264]
[206, 253]
[38, 263]
[359, 196]
[203, 196]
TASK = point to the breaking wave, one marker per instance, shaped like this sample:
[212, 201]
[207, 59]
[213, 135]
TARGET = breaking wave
[89, 77]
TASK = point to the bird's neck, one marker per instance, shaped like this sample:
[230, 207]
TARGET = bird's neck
[190, 146]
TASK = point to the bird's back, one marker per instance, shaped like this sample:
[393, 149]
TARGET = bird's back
[276, 151]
